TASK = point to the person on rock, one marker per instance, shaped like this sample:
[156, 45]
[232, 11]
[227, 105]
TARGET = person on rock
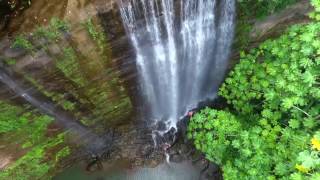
[190, 114]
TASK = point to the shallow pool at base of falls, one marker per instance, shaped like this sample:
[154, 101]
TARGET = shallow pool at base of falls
[172, 171]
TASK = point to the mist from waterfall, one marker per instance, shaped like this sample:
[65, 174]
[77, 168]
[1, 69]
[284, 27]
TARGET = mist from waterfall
[182, 47]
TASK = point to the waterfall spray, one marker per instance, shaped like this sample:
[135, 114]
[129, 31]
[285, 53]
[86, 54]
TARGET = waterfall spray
[182, 47]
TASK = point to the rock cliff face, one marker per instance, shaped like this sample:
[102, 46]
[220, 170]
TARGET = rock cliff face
[78, 67]
[274, 24]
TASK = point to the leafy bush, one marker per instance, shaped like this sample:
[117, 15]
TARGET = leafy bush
[309, 161]
[211, 131]
[316, 13]
[275, 96]
[11, 118]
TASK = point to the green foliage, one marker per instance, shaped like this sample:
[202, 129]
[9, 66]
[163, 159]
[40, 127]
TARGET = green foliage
[244, 149]
[69, 106]
[58, 24]
[212, 132]
[91, 29]
[23, 43]
[97, 35]
[32, 164]
[62, 153]
[53, 31]
[27, 167]
[69, 65]
[10, 118]
[10, 61]
[275, 96]
[29, 129]
[280, 75]
[308, 161]
[316, 14]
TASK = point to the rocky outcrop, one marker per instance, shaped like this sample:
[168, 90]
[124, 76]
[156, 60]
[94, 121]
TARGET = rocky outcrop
[76, 67]
[40, 12]
[275, 24]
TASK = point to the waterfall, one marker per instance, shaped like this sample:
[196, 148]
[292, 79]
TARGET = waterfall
[182, 47]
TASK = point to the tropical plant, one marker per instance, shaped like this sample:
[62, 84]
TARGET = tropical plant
[274, 94]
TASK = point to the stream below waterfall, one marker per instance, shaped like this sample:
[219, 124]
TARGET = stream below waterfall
[173, 171]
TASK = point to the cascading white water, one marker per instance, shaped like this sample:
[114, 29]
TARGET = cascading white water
[182, 47]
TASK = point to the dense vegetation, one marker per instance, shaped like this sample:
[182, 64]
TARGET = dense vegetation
[27, 133]
[271, 129]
